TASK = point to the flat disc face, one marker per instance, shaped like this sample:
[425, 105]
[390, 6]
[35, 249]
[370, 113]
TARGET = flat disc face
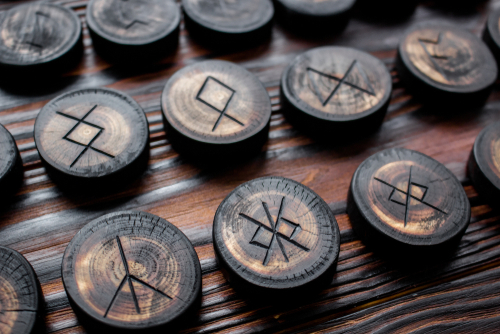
[132, 270]
[8, 153]
[216, 102]
[231, 16]
[37, 33]
[336, 84]
[493, 26]
[133, 21]
[319, 7]
[18, 293]
[487, 153]
[276, 233]
[410, 197]
[448, 58]
[91, 133]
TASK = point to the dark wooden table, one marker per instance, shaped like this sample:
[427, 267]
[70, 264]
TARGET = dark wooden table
[367, 293]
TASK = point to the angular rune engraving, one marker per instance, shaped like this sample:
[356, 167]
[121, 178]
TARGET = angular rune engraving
[275, 230]
[341, 81]
[128, 279]
[432, 56]
[91, 128]
[131, 14]
[33, 38]
[217, 96]
[408, 194]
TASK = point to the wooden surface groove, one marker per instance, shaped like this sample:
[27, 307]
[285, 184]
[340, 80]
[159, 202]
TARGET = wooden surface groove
[42, 219]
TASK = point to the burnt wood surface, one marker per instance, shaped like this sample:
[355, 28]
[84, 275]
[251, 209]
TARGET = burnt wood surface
[42, 220]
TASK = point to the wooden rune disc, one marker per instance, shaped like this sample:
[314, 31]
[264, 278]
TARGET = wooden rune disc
[216, 107]
[130, 28]
[92, 133]
[314, 16]
[10, 162]
[336, 87]
[20, 296]
[484, 163]
[273, 234]
[442, 59]
[436, 212]
[39, 35]
[131, 271]
[226, 23]
[491, 33]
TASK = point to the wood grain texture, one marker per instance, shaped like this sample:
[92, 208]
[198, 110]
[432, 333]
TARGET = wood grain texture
[126, 29]
[404, 196]
[216, 107]
[228, 23]
[132, 271]
[447, 60]
[484, 163]
[37, 35]
[11, 164]
[20, 298]
[91, 133]
[42, 220]
[275, 234]
[336, 87]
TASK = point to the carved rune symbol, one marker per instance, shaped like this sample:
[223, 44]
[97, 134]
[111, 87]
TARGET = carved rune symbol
[91, 128]
[408, 194]
[341, 81]
[275, 230]
[433, 56]
[132, 12]
[129, 278]
[217, 96]
[33, 38]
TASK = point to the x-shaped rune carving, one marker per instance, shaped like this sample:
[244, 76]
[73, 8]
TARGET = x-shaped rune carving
[433, 57]
[223, 112]
[89, 145]
[129, 278]
[341, 81]
[277, 235]
[409, 195]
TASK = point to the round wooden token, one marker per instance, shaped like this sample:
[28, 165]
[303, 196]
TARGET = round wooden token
[228, 23]
[441, 59]
[20, 296]
[336, 87]
[39, 36]
[273, 234]
[92, 133]
[10, 162]
[132, 271]
[491, 33]
[314, 16]
[400, 197]
[484, 163]
[216, 107]
[127, 29]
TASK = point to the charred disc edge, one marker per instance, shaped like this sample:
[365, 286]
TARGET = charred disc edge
[16, 166]
[327, 269]
[55, 57]
[34, 282]
[302, 107]
[189, 306]
[96, 29]
[319, 10]
[411, 73]
[143, 152]
[491, 34]
[358, 216]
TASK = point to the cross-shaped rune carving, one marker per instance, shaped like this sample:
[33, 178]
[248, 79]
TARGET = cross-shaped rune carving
[128, 279]
[275, 230]
[408, 194]
[341, 81]
[432, 56]
[205, 96]
[89, 144]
